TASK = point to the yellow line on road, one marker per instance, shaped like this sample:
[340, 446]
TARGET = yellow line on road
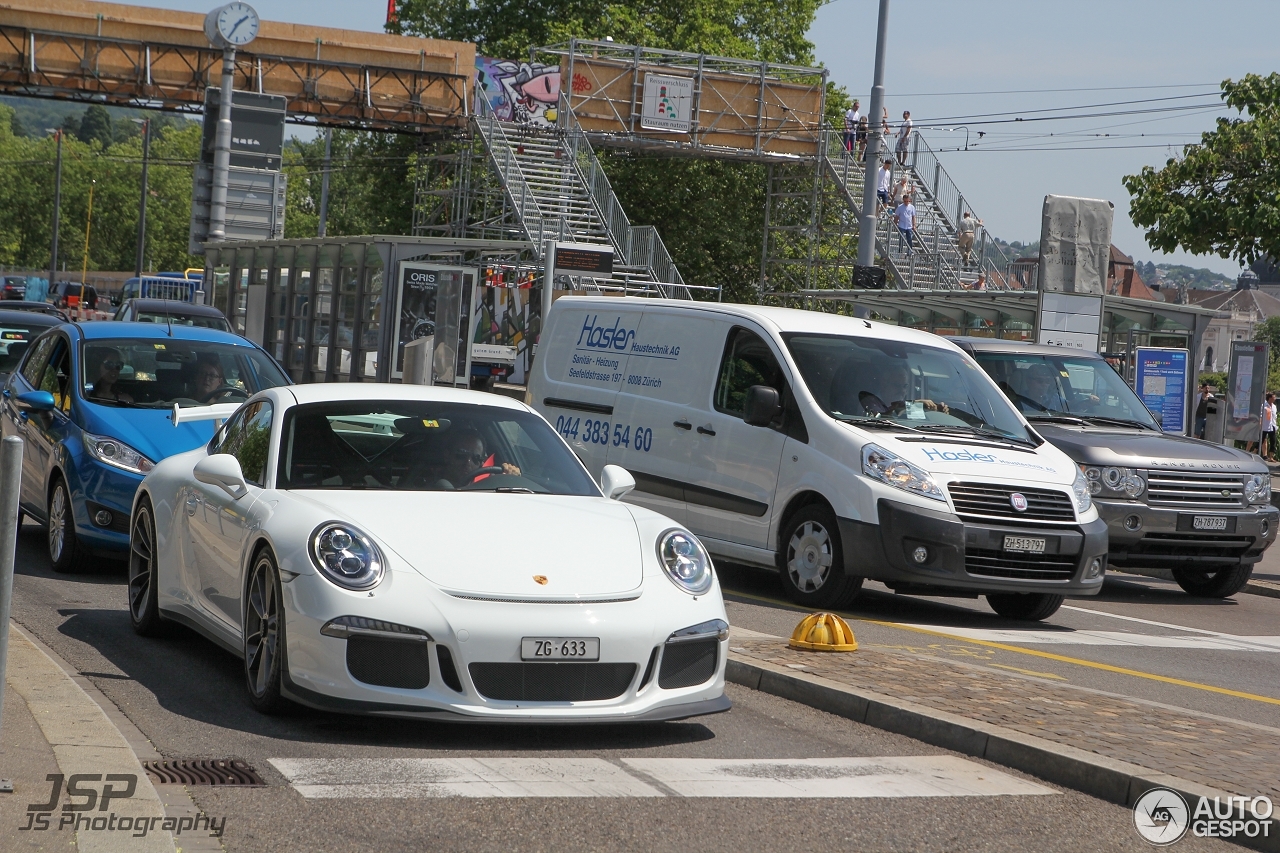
[1052, 675]
[1136, 673]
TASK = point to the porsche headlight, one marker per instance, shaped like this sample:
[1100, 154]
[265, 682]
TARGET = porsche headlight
[1080, 491]
[1115, 481]
[896, 471]
[346, 556]
[1257, 489]
[687, 563]
[116, 453]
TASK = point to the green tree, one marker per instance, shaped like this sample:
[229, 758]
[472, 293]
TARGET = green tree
[370, 187]
[95, 126]
[1222, 196]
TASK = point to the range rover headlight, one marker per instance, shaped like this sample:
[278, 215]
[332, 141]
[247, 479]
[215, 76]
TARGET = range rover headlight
[1115, 481]
[1257, 489]
[687, 563]
[892, 469]
[116, 453]
[346, 556]
[1080, 491]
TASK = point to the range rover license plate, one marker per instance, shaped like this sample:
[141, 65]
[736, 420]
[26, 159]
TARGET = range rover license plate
[1209, 522]
[1026, 544]
[560, 648]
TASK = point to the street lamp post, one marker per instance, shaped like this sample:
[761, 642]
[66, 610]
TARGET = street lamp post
[867, 222]
[57, 211]
[228, 27]
[142, 204]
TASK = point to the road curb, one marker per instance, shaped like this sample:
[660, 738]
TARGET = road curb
[1262, 588]
[1105, 778]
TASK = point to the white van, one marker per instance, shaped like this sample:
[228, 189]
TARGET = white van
[831, 448]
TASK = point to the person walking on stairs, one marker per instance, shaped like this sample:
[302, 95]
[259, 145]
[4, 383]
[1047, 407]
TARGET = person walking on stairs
[966, 229]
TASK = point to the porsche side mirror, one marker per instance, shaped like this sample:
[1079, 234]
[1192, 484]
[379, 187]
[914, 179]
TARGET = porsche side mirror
[222, 470]
[763, 405]
[616, 482]
[36, 401]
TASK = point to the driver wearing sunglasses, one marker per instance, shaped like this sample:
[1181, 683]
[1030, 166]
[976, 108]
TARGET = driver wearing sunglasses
[464, 455]
[105, 386]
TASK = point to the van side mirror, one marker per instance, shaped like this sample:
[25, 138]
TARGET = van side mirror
[115, 299]
[616, 482]
[222, 470]
[763, 405]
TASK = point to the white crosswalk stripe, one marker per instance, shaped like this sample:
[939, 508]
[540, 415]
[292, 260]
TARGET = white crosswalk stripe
[882, 777]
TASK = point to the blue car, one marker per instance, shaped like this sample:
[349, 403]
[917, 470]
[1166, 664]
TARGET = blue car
[93, 403]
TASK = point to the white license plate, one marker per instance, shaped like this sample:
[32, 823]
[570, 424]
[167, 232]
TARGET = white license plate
[1209, 522]
[560, 648]
[1024, 543]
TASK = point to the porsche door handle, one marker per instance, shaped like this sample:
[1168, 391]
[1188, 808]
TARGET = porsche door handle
[706, 430]
[682, 424]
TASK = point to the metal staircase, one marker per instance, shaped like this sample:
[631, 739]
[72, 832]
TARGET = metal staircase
[558, 191]
[935, 262]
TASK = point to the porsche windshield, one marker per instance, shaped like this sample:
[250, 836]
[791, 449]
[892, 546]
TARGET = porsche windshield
[1048, 387]
[155, 373]
[411, 445]
[888, 384]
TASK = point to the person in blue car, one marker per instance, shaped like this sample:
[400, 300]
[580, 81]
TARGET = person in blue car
[93, 403]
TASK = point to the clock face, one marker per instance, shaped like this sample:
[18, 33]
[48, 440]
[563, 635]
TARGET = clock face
[238, 24]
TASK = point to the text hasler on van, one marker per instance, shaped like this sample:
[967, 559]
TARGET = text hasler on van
[616, 337]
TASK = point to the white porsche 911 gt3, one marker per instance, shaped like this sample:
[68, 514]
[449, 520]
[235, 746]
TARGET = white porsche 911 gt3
[425, 552]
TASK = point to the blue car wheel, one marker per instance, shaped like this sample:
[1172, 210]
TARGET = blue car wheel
[65, 551]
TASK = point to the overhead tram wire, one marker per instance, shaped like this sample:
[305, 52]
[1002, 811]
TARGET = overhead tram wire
[1046, 91]
[971, 117]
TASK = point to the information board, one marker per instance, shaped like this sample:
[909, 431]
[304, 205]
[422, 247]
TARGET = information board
[668, 103]
[1246, 385]
[1161, 379]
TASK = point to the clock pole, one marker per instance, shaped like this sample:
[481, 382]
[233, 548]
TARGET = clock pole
[222, 151]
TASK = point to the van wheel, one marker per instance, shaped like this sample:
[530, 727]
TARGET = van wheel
[811, 560]
[1220, 582]
[65, 552]
[1031, 606]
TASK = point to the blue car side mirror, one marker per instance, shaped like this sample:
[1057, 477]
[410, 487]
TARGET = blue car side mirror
[36, 401]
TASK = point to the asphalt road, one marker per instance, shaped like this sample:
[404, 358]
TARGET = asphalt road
[187, 697]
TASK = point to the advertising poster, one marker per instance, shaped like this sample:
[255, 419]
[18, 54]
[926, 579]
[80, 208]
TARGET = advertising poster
[1246, 385]
[668, 103]
[416, 314]
[505, 324]
[1161, 382]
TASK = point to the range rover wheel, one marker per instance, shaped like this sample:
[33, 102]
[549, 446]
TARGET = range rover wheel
[1031, 606]
[811, 560]
[1214, 581]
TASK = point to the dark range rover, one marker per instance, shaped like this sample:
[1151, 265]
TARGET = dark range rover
[1170, 502]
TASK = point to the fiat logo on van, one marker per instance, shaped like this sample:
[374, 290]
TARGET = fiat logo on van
[1019, 501]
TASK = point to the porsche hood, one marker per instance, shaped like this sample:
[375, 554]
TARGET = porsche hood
[501, 545]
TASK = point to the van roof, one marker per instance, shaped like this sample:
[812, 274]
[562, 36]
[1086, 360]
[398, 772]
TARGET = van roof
[779, 319]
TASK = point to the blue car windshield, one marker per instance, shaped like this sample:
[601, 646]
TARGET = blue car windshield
[156, 373]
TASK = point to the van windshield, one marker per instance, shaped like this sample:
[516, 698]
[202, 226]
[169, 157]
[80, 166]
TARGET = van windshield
[883, 383]
[1047, 387]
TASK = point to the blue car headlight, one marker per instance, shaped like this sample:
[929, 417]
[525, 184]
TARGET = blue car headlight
[117, 454]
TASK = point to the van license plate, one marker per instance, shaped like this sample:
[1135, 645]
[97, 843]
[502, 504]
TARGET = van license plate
[1209, 522]
[560, 648]
[1024, 543]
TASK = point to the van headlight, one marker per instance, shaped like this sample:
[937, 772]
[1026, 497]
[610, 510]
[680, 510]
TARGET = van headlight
[1080, 491]
[890, 468]
[1257, 489]
[1115, 481]
[116, 453]
[687, 563]
[346, 556]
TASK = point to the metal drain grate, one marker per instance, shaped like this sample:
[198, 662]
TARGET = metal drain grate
[203, 771]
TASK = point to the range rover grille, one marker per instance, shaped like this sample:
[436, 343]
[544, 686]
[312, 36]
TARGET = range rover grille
[1194, 489]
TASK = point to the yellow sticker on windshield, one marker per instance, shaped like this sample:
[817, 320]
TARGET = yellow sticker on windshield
[429, 424]
[159, 346]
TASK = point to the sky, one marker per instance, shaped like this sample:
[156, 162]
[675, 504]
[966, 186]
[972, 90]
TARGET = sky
[942, 53]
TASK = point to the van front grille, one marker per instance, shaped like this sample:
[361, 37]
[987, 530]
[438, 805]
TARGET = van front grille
[984, 500]
[1031, 567]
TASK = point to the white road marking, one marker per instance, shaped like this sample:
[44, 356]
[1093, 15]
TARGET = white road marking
[360, 778]
[404, 778]
[1068, 637]
[1169, 625]
[912, 776]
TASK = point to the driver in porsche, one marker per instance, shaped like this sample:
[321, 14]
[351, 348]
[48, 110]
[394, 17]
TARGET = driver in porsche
[464, 455]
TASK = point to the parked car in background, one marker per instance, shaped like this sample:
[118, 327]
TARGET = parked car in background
[94, 403]
[177, 313]
[71, 294]
[172, 286]
[17, 330]
[37, 307]
[13, 287]
[1170, 502]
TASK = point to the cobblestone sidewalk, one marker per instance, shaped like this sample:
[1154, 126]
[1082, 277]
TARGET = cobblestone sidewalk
[1235, 757]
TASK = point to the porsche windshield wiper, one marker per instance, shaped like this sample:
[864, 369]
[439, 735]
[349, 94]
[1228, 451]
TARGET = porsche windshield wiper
[517, 490]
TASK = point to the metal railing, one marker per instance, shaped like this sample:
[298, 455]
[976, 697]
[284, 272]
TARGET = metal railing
[513, 180]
